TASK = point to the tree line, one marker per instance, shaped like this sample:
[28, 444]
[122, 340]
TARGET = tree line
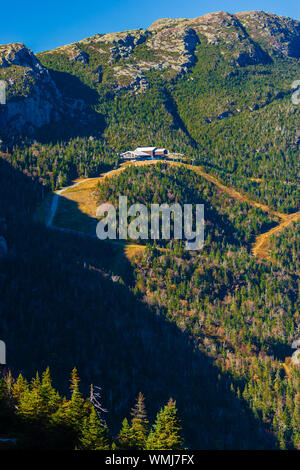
[38, 417]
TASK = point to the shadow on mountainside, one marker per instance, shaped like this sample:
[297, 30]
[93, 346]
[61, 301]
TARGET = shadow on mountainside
[85, 122]
[72, 87]
[56, 311]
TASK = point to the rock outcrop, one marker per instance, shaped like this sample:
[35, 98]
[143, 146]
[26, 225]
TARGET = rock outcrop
[276, 34]
[33, 99]
[296, 358]
[32, 96]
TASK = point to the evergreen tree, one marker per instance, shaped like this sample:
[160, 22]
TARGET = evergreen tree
[19, 388]
[125, 438]
[296, 421]
[30, 405]
[166, 432]
[95, 435]
[74, 409]
[4, 403]
[50, 397]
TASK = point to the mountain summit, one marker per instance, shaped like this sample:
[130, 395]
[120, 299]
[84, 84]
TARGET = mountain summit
[169, 44]
[45, 88]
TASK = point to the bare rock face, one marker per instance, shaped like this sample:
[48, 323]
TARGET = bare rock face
[33, 99]
[275, 33]
[128, 39]
[225, 31]
[219, 27]
[73, 53]
[131, 77]
[174, 51]
[32, 96]
[166, 23]
[124, 43]
[296, 344]
[117, 45]
[296, 357]
[18, 54]
[77, 55]
[175, 47]
[249, 36]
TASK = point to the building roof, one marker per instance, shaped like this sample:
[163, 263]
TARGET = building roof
[126, 153]
[145, 149]
[134, 153]
[160, 150]
[139, 153]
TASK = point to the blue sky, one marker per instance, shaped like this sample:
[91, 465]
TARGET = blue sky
[43, 25]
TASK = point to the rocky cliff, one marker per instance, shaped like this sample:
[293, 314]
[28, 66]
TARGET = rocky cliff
[32, 97]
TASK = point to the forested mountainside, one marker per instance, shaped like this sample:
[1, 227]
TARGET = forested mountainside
[286, 248]
[217, 87]
[239, 312]
[60, 309]
[212, 329]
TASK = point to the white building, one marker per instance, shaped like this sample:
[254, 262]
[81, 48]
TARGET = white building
[144, 152]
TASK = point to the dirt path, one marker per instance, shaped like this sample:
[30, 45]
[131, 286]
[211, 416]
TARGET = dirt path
[260, 248]
[235, 194]
[54, 203]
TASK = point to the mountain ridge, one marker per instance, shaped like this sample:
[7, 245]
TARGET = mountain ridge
[167, 21]
[125, 61]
